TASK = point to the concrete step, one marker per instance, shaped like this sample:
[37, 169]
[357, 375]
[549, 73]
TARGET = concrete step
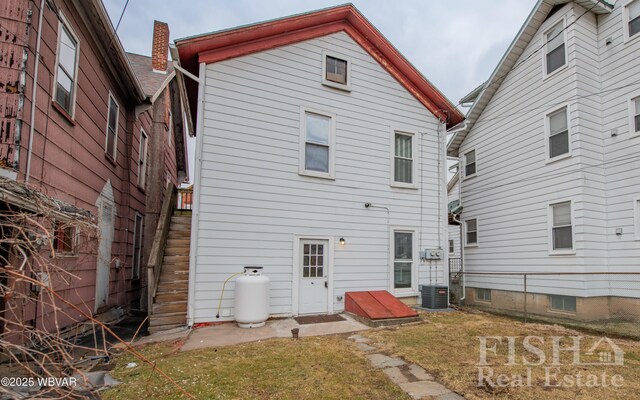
[174, 295]
[170, 307]
[179, 318]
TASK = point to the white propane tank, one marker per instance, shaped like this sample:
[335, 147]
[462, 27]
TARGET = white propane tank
[252, 298]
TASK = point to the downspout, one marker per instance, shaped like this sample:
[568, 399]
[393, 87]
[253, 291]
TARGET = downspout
[34, 92]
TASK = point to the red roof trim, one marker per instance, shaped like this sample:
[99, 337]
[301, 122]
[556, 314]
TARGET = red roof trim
[246, 40]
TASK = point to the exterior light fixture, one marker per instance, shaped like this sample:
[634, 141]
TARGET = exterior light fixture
[342, 241]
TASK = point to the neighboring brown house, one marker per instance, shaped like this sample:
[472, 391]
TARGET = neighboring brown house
[105, 135]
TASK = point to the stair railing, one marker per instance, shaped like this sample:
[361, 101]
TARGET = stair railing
[154, 266]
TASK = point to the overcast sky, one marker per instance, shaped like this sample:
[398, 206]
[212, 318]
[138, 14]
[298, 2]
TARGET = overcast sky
[456, 44]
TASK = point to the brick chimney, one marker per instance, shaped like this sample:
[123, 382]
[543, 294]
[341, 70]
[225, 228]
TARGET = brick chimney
[160, 46]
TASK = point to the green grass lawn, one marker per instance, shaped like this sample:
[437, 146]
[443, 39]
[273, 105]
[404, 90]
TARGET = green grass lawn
[308, 368]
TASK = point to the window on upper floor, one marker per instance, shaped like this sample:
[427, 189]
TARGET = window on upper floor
[317, 144]
[636, 217]
[142, 159]
[561, 228]
[469, 162]
[64, 91]
[452, 248]
[555, 54]
[634, 113]
[471, 232]
[632, 19]
[557, 128]
[111, 141]
[404, 166]
[336, 70]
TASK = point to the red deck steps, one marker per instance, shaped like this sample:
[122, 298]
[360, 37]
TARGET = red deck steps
[377, 305]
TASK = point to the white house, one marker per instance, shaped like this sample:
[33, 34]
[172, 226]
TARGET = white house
[550, 161]
[321, 157]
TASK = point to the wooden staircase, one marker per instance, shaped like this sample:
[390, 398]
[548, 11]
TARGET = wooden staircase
[169, 270]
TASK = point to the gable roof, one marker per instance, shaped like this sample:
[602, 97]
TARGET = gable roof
[226, 44]
[152, 82]
[510, 59]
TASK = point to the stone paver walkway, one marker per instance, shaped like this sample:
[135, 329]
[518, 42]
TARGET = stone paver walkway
[411, 378]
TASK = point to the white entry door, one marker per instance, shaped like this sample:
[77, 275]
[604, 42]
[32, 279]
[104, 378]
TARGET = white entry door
[105, 223]
[314, 269]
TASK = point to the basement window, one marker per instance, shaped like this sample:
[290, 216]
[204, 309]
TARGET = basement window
[563, 303]
[336, 70]
[483, 295]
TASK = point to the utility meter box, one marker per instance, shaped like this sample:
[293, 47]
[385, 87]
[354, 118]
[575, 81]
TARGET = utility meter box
[434, 254]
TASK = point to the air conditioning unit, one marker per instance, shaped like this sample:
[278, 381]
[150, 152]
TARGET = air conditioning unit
[435, 297]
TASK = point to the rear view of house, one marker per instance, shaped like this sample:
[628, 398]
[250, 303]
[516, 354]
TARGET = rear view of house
[549, 166]
[320, 157]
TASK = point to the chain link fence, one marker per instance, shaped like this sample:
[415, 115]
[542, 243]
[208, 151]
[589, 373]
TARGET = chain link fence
[600, 302]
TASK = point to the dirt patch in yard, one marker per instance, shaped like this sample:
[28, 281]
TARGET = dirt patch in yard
[449, 348]
[313, 367]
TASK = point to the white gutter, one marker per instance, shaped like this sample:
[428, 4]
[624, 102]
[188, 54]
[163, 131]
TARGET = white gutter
[34, 92]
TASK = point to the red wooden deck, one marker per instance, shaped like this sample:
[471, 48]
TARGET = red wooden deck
[377, 304]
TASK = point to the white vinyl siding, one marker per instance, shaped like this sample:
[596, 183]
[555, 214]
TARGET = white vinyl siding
[64, 91]
[403, 163]
[142, 160]
[111, 140]
[470, 164]
[251, 199]
[557, 127]
[317, 144]
[471, 232]
[631, 18]
[555, 53]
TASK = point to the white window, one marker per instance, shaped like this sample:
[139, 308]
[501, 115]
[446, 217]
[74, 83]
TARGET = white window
[471, 232]
[111, 142]
[469, 162]
[557, 128]
[65, 238]
[636, 209]
[634, 116]
[555, 54]
[336, 70]
[452, 247]
[632, 19]
[317, 144]
[403, 262]
[563, 303]
[142, 160]
[483, 294]
[137, 246]
[64, 91]
[561, 232]
[403, 168]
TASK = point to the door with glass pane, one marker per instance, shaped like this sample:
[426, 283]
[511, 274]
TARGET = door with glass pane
[313, 276]
[402, 261]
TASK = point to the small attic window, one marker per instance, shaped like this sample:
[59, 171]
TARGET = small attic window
[336, 70]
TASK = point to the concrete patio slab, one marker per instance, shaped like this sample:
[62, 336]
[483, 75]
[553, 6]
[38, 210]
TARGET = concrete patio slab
[229, 333]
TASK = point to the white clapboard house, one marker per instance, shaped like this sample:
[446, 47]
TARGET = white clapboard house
[550, 164]
[321, 157]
